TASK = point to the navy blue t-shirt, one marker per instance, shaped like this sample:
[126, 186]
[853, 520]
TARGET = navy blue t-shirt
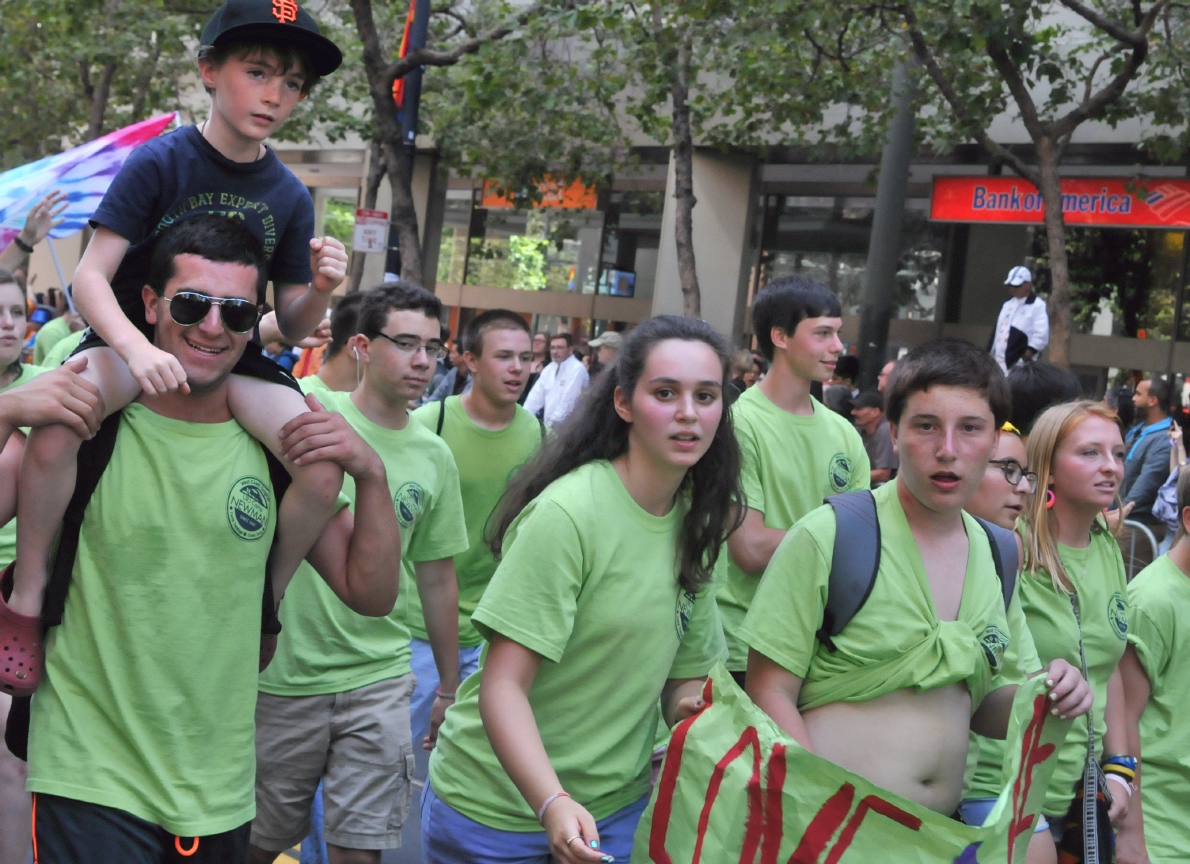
[179, 175]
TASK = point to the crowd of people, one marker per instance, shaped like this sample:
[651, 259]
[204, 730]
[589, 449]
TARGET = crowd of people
[234, 603]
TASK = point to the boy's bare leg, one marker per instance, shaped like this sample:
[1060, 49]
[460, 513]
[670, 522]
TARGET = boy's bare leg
[47, 477]
[262, 408]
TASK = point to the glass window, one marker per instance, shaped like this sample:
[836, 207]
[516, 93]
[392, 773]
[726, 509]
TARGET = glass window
[827, 239]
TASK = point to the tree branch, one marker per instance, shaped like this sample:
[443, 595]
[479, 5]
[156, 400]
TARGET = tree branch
[1016, 86]
[1114, 88]
[429, 57]
[946, 88]
[1136, 38]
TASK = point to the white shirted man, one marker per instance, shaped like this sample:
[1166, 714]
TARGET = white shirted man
[1023, 328]
[556, 392]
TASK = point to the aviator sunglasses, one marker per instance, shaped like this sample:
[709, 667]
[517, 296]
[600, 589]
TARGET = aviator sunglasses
[188, 308]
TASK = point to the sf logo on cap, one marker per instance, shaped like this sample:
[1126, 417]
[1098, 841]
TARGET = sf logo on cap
[285, 11]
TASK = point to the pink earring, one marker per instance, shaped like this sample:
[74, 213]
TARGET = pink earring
[1049, 498]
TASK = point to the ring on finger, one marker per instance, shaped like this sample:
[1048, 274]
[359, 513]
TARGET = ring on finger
[572, 839]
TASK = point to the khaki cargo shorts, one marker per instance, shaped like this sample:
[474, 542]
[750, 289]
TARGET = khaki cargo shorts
[358, 743]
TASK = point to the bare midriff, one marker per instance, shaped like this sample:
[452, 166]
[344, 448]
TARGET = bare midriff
[911, 743]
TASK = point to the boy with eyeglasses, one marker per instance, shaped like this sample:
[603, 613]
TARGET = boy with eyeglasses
[257, 59]
[334, 704]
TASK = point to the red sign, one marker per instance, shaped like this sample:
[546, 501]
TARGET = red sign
[1154, 202]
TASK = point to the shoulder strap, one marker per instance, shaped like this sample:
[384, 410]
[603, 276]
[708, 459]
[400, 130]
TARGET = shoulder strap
[270, 624]
[441, 417]
[93, 458]
[1005, 555]
[854, 563]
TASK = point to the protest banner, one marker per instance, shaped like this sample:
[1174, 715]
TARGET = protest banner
[734, 787]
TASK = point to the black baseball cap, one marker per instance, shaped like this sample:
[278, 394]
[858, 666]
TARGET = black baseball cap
[276, 22]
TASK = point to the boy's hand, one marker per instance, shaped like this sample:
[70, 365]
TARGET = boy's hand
[156, 371]
[328, 262]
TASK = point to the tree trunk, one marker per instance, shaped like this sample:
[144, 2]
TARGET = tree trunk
[396, 165]
[97, 96]
[684, 185]
[371, 190]
[1061, 321]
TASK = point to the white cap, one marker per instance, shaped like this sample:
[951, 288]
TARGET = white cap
[1018, 276]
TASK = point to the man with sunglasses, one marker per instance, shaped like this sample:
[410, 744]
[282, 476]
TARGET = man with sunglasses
[334, 704]
[141, 743]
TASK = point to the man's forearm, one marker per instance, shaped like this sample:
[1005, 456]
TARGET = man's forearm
[438, 589]
[374, 555]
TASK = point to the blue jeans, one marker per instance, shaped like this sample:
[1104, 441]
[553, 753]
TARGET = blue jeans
[975, 812]
[314, 847]
[449, 837]
[426, 672]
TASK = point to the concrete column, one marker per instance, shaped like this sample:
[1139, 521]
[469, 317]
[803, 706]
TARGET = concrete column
[726, 186]
[992, 250]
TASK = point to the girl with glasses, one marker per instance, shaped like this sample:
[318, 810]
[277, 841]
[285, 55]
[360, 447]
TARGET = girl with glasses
[1001, 499]
[1072, 590]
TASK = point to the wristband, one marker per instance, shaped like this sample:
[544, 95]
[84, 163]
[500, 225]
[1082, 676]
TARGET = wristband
[1120, 780]
[548, 802]
[438, 692]
[1122, 766]
[22, 245]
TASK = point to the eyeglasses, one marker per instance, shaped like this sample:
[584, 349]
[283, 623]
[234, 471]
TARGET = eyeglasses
[1014, 473]
[188, 308]
[409, 345]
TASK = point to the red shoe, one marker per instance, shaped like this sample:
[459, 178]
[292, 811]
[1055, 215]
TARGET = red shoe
[20, 645]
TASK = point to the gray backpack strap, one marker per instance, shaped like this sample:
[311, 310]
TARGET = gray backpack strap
[1005, 555]
[854, 563]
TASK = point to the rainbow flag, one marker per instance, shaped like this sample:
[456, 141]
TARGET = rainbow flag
[83, 173]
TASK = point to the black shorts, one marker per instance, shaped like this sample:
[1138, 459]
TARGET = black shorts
[66, 831]
[252, 363]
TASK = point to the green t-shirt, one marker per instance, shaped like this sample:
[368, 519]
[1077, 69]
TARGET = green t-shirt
[50, 334]
[8, 533]
[896, 640]
[148, 699]
[1097, 573]
[486, 459]
[788, 465]
[62, 349]
[1158, 598]
[324, 647]
[314, 384]
[588, 581]
[1021, 653]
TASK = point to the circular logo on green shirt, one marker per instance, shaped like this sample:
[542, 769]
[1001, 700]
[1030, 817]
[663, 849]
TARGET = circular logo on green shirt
[994, 642]
[409, 500]
[685, 608]
[1117, 614]
[840, 472]
[248, 505]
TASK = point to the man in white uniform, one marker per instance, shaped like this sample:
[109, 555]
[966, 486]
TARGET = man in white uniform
[562, 381]
[1023, 328]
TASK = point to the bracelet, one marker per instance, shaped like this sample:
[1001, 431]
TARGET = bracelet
[1127, 786]
[438, 692]
[1121, 760]
[548, 802]
[22, 245]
